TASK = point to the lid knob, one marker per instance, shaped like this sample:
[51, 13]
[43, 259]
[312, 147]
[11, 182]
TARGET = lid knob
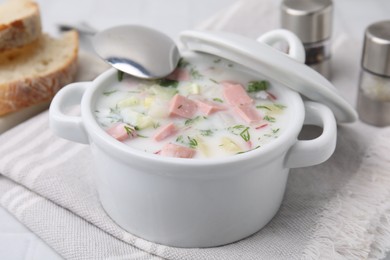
[310, 20]
[376, 50]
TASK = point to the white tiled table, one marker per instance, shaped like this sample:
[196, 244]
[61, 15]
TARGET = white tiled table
[170, 16]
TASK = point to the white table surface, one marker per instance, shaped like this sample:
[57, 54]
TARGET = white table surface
[171, 17]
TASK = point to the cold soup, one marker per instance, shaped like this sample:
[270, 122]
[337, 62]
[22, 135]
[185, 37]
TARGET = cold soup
[206, 109]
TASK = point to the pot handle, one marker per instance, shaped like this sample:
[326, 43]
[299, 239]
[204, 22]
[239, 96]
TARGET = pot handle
[311, 152]
[295, 46]
[64, 125]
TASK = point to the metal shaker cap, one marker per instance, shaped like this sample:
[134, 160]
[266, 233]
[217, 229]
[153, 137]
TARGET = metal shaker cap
[376, 50]
[310, 20]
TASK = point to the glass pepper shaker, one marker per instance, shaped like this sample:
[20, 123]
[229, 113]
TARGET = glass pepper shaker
[311, 21]
[373, 104]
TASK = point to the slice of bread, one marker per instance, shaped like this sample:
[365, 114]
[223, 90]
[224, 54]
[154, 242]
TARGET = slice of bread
[34, 73]
[20, 23]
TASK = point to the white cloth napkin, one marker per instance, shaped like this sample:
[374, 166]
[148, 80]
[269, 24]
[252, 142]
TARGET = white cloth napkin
[336, 210]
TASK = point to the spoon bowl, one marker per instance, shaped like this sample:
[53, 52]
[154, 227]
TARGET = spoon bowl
[137, 50]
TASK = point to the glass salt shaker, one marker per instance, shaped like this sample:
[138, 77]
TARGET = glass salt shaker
[311, 21]
[373, 104]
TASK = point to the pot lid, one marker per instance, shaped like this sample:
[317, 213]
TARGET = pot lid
[274, 64]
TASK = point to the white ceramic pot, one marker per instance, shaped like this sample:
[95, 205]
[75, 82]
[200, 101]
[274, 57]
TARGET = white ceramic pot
[192, 202]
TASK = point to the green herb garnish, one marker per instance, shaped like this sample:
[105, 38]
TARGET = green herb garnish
[280, 106]
[237, 129]
[168, 83]
[213, 80]
[182, 63]
[107, 93]
[275, 130]
[218, 100]
[207, 132]
[115, 115]
[120, 75]
[230, 65]
[129, 130]
[217, 60]
[245, 134]
[264, 107]
[241, 130]
[270, 119]
[195, 74]
[179, 139]
[249, 150]
[156, 125]
[114, 110]
[256, 86]
[192, 142]
[142, 136]
[191, 121]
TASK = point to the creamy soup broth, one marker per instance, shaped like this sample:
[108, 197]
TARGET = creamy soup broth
[206, 109]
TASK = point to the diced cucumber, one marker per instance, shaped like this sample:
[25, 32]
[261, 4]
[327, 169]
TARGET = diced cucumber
[148, 101]
[131, 101]
[195, 88]
[144, 121]
[191, 89]
[203, 147]
[228, 145]
[163, 92]
[136, 119]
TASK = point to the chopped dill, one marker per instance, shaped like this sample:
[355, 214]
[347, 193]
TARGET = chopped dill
[120, 75]
[270, 119]
[107, 93]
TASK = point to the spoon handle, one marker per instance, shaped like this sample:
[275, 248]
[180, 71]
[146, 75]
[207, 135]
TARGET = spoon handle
[82, 28]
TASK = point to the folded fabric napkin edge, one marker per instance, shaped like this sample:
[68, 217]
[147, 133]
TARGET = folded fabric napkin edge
[343, 215]
[23, 203]
[42, 120]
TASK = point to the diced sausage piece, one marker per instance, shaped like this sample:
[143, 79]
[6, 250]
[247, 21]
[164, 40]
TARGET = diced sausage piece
[182, 106]
[178, 151]
[248, 113]
[122, 131]
[164, 132]
[179, 75]
[271, 96]
[208, 107]
[235, 94]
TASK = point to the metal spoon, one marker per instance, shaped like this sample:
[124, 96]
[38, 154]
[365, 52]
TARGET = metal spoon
[137, 50]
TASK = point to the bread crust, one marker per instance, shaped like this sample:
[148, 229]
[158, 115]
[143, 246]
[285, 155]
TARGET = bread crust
[21, 31]
[34, 90]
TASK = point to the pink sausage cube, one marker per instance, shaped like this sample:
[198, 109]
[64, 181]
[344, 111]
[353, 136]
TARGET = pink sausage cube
[208, 107]
[182, 106]
[235, 94]
[122, 131]
[248, 113]
[179, 75]
[178, 151]
[165, 132]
